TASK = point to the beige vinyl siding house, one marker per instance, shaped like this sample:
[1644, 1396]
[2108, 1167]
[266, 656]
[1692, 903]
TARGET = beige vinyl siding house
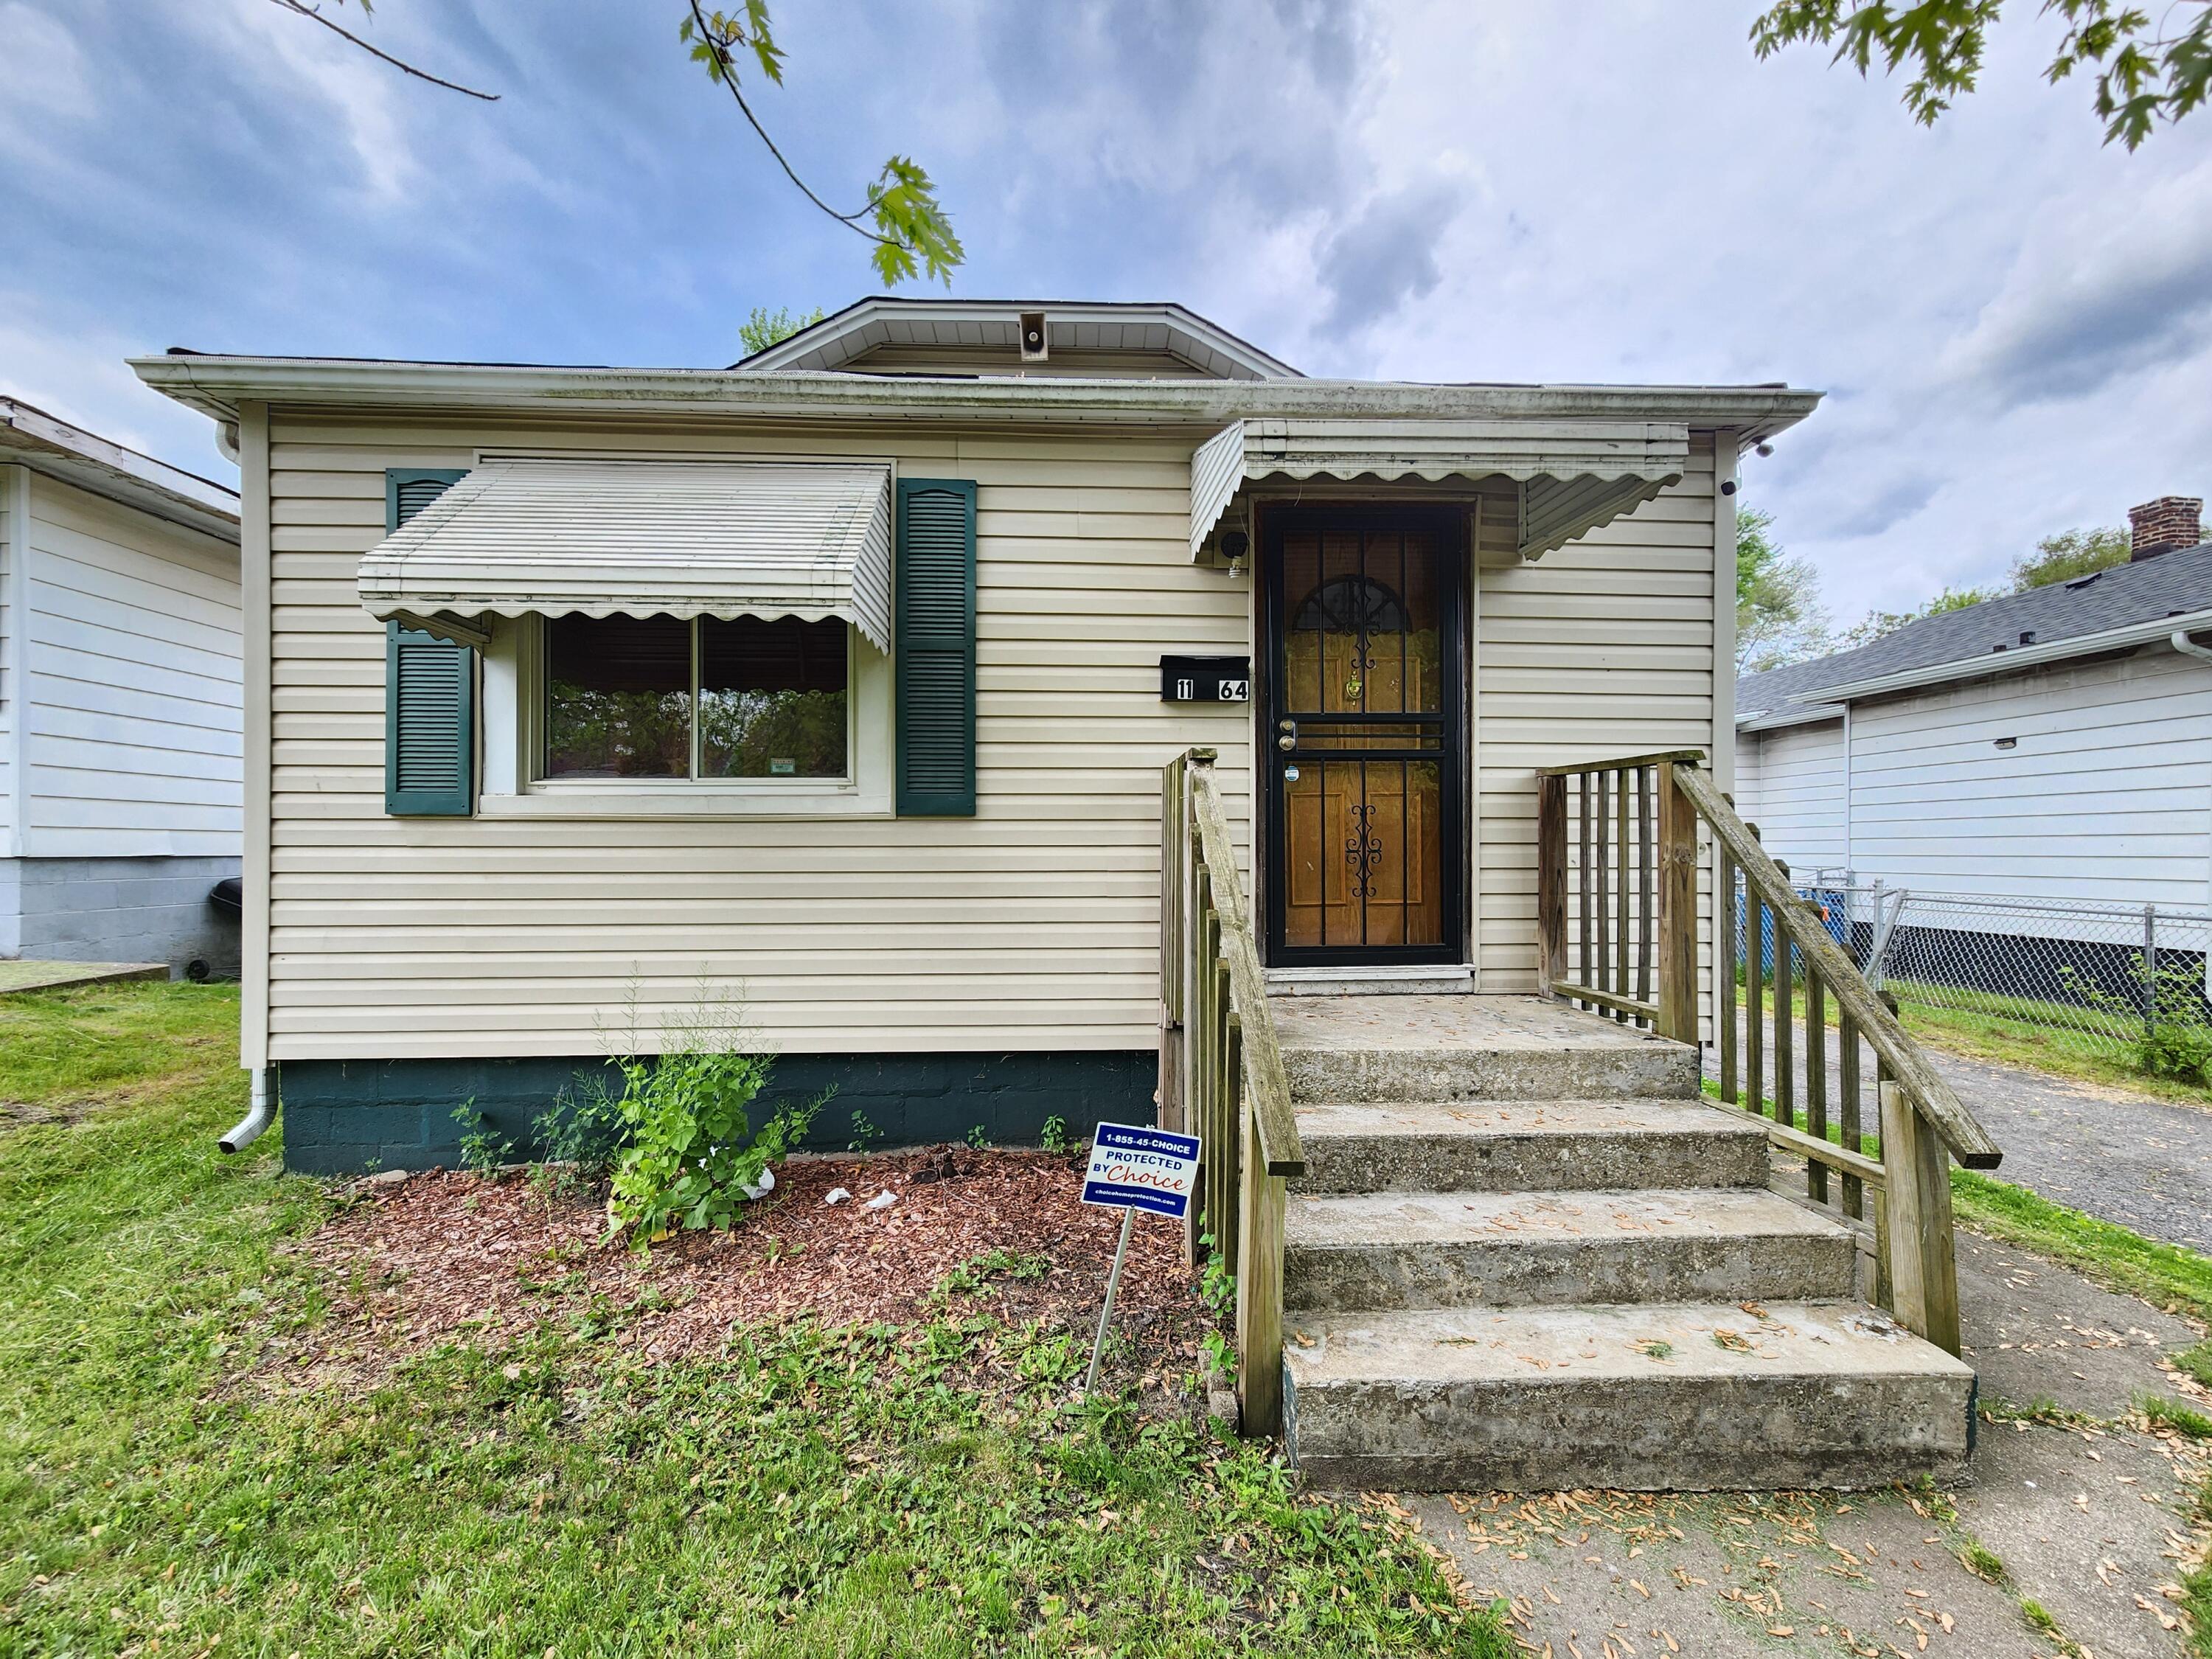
[852, 928]
[121, 739]
[993, 966]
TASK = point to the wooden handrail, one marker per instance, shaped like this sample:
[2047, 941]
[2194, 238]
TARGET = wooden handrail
[1662, 757]
[1221, 1074]
[1969, 1142]
[1638, 894]
[1263, 1056]
[1618, 932]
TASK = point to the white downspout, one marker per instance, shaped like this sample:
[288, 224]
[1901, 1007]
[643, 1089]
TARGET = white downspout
[1850, 862]
[2180, 641]
[261, 1112]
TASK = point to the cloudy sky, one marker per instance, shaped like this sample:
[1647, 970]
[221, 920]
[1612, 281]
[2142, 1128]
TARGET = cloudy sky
[2014, 323]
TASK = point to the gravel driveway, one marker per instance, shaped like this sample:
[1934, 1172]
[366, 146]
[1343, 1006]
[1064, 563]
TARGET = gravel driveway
[2143, 1162]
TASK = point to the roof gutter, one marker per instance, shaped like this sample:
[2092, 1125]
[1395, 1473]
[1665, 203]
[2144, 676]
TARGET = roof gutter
[216, 386]
[1774, 720]
[2160, 629]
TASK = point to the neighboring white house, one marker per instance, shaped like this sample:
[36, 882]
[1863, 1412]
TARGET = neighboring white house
[120, 730]
[2051, 749]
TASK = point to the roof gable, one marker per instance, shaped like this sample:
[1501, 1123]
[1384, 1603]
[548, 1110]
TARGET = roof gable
[48, 444]
[1118, 340]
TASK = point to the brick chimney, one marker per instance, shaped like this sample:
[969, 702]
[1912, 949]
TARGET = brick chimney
[2170, 523]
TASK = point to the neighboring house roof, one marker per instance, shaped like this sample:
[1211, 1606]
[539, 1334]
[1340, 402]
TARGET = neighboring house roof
[48, 444]
[837, 342]
[2064, 619]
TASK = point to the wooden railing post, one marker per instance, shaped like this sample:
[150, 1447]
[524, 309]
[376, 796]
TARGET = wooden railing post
[1678, 910]
[1260, 1290]
[1175, 853]
[1923, 1270]
[1226, 1144]
[1551, 881]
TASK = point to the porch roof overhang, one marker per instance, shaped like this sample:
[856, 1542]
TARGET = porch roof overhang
[524, 536]
[1574, 475]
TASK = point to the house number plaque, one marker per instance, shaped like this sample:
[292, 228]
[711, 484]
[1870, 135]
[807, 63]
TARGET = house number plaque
[1206, 679]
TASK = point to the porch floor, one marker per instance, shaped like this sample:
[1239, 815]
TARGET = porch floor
[1485, 1024]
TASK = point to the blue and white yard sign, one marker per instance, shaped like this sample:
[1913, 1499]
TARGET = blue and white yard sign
[1139, 1168]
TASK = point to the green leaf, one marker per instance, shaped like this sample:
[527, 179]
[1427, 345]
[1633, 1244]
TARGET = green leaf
[2144, 76]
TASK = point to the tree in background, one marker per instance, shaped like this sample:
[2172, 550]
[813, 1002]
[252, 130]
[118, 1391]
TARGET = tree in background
[2070, 555]
[761, 331]
[2146, 72]
[1778, 616]
[901, 215]
[1877, 623]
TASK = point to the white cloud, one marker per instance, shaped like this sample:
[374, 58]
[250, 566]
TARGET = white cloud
[294, 55]
[45, 73]
[80, 375]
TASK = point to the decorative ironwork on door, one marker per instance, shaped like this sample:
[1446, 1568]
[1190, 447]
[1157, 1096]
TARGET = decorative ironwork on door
[1365, 729]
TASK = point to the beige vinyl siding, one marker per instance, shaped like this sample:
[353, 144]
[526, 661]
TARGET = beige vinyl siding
[1602, 648]
[1033, 926]
[133, 741]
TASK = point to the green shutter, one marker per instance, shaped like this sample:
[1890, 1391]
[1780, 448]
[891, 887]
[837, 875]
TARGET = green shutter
[429, 726]
[936, 647]
[430, 687]
[409, 490]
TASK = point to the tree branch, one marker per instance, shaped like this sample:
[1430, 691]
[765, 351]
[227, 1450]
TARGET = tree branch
[305, 10]
[728, 78]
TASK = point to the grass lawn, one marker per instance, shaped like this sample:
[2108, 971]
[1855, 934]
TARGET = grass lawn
[2170, 1276]
[2016, 1032]
[183, 1471]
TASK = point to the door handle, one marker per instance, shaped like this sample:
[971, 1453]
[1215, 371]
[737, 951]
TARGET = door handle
[1289, 740]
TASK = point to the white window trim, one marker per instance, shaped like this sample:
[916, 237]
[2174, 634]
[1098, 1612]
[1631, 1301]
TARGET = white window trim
[514, 739]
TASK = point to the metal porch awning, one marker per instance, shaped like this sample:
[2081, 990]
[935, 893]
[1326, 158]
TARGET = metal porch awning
[681, 538]
[1574, 475]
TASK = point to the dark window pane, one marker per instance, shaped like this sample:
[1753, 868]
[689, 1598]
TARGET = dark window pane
[771, 698]
[618, 698]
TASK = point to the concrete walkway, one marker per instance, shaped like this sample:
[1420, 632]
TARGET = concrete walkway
[16, 975]
[2143, 1162]
[2092, 1519]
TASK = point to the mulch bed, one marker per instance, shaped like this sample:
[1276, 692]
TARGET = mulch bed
[443, 1255]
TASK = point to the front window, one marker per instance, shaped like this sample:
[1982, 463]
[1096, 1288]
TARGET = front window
[661, 697]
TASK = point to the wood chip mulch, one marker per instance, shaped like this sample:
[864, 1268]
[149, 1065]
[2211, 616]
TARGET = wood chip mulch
[443, 1255]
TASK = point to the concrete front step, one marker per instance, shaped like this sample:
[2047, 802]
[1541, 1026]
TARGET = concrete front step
[1396, 1251]
[1567, 1145]
[1647, 1398]
[1470, 1047]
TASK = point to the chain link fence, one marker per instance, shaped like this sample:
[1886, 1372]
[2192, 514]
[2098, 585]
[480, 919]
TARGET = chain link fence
[2128, 983]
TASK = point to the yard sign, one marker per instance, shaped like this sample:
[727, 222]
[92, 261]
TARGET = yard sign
[1148, 1169]
[1134, 1169]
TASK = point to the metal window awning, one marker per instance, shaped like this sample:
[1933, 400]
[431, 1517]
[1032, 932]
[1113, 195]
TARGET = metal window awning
[1574, 475]
[680, 538]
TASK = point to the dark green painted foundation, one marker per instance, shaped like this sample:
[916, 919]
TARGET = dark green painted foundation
[345, 1116]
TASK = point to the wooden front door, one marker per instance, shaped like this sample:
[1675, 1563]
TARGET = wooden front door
[1363, 735]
